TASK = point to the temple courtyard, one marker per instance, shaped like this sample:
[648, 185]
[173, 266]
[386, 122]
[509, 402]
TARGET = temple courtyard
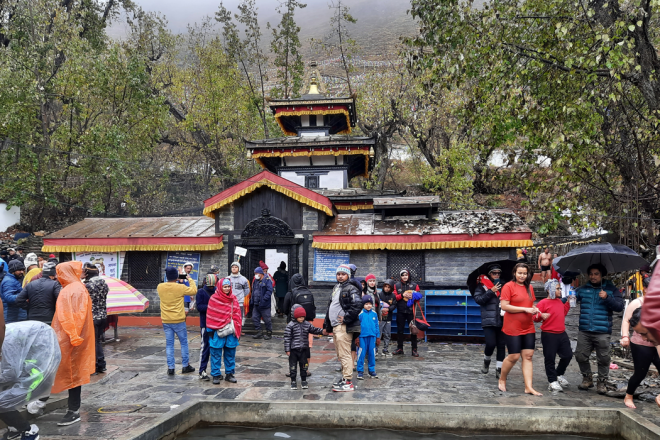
[136, 388]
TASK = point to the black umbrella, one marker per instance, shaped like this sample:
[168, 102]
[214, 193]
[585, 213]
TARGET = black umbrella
[507, 273]
[615, 258]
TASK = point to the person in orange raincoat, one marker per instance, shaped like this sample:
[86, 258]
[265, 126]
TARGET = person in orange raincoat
[74, 326]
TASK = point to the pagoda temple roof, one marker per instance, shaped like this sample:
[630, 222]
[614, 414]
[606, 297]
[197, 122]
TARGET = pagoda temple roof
[310, 141]
[310, 99]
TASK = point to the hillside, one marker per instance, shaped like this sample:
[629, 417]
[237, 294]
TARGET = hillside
[380, 22]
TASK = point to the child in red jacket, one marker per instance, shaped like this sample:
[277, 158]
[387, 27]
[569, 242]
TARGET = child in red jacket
[552, 311]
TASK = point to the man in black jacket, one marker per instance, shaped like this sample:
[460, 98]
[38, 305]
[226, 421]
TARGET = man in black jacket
[342, 319]
[491, 319]
[40, 296]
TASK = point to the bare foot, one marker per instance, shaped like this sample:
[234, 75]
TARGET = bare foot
[628, 400]
[532, 391]
[501, 384]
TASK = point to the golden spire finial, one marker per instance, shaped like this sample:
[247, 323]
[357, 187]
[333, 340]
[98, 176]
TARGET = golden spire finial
[313, 86]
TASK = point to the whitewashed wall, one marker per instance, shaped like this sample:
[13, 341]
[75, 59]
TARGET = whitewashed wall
[9, 217]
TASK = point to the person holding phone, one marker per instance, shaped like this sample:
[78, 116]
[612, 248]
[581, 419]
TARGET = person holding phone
[487, 295]
[173, 316]
[184, 276]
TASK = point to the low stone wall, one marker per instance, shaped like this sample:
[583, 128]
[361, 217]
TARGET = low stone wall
[602, 422]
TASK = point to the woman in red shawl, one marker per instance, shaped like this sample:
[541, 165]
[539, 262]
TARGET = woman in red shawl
[223, 311]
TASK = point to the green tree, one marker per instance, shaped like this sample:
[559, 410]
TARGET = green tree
[247, 52]
[569, 91]
[285, 47]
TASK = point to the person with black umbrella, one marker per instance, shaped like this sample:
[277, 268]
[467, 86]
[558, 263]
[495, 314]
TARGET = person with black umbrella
[487, 295]
[598, 299]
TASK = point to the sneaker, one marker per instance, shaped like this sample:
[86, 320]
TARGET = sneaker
[32, 434]
[360, 376]
[101, 370]
[345, 387]
[11, 434]
[188, 369]
[259, 335]
[69, 418]
[204, 376]
[230, 378]
[216, 380]
[386, 353]
[339, 383]
[304, 385]
[415, 354]
[373, 375]
[294, 385]
[397, 352]
[554, 386]
[170, 371]
[562, 381]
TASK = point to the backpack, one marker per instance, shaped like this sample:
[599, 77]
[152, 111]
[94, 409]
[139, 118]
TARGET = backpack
[306, 300]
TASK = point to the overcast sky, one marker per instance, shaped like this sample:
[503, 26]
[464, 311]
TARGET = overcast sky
[312, 20]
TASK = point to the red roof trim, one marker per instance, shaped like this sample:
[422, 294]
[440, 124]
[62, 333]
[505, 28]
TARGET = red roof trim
[414, 238]
[275, 179]
[139, 241]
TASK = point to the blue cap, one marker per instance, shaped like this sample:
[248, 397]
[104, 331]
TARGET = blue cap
[367, 299]
[226, 282]
[171, 273]
[259, 270]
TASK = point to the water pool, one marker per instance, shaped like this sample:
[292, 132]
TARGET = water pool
[296, 433]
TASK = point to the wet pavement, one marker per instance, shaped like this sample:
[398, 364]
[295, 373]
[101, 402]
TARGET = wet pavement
[136, 388]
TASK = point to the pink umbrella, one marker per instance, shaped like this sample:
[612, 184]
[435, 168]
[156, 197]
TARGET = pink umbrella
[124, 298]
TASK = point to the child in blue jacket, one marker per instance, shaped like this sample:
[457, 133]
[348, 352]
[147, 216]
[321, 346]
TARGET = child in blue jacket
[369, 338]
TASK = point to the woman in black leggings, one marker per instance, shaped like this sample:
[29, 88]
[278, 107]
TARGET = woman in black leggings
[487, 296]
[643, 353]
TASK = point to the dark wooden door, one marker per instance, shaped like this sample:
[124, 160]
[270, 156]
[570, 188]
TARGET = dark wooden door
[252, 262]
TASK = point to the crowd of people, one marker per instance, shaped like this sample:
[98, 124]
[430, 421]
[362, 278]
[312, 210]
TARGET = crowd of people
[508, 313]
[358, 316]
[69, 298]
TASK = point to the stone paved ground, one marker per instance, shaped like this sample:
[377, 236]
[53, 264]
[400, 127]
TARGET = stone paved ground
[136, 388]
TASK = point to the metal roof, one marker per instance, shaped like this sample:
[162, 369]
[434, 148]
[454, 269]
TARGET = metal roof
[355, 194]
[139, 227]
[406, 202]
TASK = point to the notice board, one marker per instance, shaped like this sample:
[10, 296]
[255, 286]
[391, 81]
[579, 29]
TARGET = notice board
[178, 259]
[326, 263]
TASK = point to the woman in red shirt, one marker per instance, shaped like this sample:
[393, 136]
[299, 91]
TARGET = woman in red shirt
[517, 301]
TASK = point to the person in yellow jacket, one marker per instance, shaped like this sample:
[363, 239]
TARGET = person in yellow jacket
[173, 316]
[638, 282]
[32, 265]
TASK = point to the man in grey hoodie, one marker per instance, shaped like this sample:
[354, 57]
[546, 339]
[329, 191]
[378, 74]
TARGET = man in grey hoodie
[240, 286]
